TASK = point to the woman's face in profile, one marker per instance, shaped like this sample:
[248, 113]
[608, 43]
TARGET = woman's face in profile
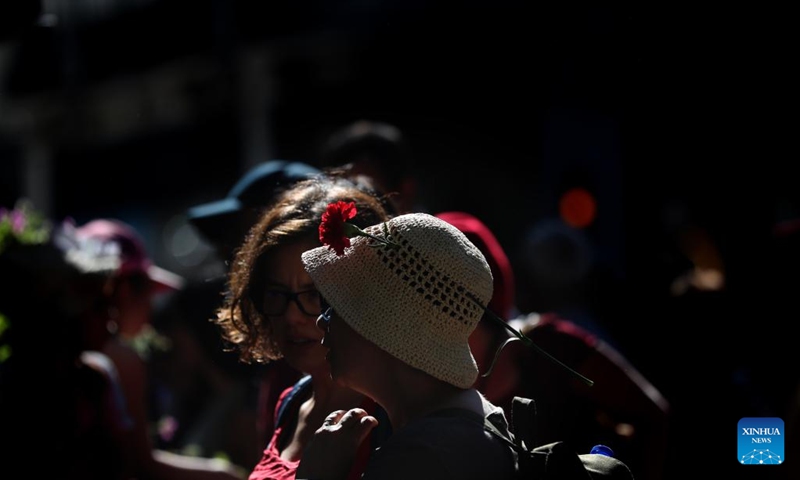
[291, 303]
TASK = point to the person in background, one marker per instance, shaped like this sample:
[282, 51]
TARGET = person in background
[131, 294]
[376, 152]
[224, 223]
[59, 396]
[270, 309]
[622, 410]
[401, 300]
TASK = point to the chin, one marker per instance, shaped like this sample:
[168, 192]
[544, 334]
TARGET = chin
[311, 362]
[335, 373]
[340, 377]
[339, 380]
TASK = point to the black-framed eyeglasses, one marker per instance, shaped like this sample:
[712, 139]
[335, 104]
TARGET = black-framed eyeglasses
[275, 302]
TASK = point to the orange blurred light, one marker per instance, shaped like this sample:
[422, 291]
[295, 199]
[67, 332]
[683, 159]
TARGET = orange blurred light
[577, 207]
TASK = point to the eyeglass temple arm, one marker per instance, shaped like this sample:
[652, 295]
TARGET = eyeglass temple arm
[519, 336]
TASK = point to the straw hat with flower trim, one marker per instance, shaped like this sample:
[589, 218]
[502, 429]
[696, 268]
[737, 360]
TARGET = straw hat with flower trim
[415, 286]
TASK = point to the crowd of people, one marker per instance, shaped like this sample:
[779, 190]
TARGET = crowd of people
[353, 333]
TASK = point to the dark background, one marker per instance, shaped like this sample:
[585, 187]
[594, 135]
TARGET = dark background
[671, 115]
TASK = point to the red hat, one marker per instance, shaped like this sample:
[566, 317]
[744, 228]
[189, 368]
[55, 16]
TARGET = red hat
[118, 235]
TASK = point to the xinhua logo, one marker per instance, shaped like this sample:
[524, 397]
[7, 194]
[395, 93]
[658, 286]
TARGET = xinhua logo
[760, 441]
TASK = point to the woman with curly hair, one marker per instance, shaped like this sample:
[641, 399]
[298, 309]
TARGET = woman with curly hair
[270, 311]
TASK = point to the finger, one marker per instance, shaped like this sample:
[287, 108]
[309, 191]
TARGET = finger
[333, 418]
[365, 426]
[369, 421]
[359, 423]
[352, 416]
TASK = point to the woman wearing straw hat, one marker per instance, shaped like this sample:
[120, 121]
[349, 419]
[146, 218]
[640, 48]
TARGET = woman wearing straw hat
[400, 300]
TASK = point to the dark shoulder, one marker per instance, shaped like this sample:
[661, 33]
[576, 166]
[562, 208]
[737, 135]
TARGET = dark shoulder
[448, 444]
[290, 399]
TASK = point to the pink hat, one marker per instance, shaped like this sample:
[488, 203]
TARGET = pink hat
[115, 234]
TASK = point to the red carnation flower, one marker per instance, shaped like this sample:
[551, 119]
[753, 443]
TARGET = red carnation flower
[335, 231]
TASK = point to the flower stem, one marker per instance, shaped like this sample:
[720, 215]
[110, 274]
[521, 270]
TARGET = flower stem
[384, 241]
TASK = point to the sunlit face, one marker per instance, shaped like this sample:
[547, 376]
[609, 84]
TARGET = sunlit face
[295, 331]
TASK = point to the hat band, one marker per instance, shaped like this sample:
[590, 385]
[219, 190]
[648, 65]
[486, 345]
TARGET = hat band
[436, 288]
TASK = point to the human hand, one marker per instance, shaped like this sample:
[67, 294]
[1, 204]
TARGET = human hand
[332, 449]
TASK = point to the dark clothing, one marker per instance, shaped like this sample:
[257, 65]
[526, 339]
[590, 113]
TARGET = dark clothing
[449, 444]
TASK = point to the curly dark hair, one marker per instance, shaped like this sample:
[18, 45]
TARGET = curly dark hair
[294, 216]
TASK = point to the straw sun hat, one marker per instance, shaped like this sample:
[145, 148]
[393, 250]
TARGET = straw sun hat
[419, 299]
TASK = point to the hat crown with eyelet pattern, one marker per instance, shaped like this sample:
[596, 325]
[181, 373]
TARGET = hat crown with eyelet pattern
[419, 301]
